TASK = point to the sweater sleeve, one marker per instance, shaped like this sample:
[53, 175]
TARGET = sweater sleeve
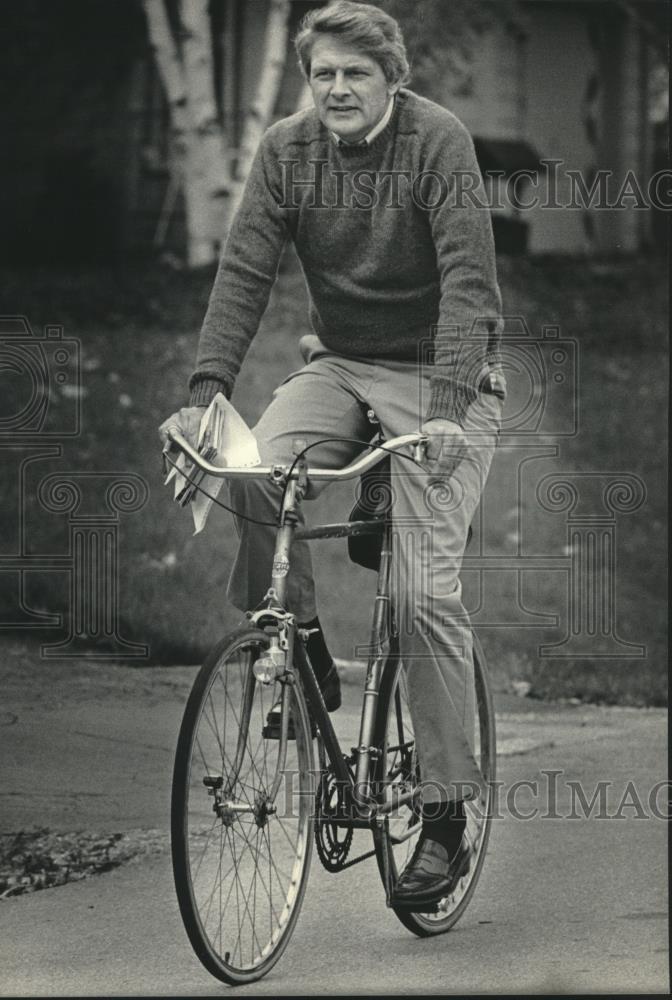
[247, 271]
[470, 303]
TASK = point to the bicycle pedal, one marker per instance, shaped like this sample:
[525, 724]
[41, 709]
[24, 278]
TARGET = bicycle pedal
[271, 730]
[410, 907]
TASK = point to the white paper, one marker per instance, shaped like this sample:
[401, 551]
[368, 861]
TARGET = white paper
[183, 466]
[236, 447]
[177, 470]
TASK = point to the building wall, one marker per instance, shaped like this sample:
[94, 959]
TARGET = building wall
[560, 64]
[625, 141]
[569, 79]
[492, 104]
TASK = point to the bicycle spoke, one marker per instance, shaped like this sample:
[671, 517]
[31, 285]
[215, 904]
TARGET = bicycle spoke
[235, 883]
[267, 838]
[268, 892]
[273, 914]
[218, 883]
[254, 908]
[246, 899]
[212, 722]
[289, 841]
[265, 856]
[205, 847]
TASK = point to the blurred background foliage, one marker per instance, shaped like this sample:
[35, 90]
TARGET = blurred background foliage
[441, 43]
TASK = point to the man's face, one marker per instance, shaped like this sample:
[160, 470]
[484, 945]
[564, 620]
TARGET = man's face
[349, 88]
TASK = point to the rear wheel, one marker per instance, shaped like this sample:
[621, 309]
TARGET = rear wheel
[241, 856]
[398, 773]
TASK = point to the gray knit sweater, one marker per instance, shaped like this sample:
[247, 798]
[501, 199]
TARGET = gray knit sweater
[397, 253]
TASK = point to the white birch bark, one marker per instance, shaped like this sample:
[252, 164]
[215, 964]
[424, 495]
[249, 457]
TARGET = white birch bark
[263, 104]
[199, 159]
[168, 64]
[206, 175]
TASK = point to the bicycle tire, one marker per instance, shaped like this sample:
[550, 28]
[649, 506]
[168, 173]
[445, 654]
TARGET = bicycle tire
[231, 866]
[393, 710]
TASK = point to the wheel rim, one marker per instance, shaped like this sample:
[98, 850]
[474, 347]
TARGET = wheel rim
[402, 764]
[246, 862]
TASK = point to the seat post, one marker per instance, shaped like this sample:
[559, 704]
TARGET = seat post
[374, 673]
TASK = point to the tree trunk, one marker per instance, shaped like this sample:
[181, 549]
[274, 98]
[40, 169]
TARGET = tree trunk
[207, 181]
[199, 157]
[169, 66]
[263, 105]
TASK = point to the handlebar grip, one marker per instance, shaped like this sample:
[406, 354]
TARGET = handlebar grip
[420, 449]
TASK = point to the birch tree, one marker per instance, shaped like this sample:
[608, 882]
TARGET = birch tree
[199, 159]
[207, 177]
[202, 160]
[261, 109]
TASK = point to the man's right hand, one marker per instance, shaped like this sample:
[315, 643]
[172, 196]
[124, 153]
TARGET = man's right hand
[187, 421]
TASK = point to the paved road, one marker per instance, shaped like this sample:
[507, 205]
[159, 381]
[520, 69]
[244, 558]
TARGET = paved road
[563, 905]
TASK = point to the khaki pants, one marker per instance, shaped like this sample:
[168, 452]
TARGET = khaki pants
[329, 397]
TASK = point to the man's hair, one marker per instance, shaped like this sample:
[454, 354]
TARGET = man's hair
[365, 27]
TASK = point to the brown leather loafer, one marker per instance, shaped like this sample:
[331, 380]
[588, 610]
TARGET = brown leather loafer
[431, 874]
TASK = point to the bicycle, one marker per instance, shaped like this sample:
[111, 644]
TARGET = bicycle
[247, 803]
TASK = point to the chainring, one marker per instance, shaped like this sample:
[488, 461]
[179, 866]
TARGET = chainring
[332, 841]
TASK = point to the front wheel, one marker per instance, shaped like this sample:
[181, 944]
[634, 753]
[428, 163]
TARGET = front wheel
[241, 854]
[398, 773]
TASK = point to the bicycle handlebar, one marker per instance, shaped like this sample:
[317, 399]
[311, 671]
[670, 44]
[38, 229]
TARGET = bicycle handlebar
[358, 467]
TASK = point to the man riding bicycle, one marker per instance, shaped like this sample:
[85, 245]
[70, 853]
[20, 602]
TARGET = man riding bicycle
[398, 257]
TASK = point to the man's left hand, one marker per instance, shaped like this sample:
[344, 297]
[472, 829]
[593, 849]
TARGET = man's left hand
[446, 446]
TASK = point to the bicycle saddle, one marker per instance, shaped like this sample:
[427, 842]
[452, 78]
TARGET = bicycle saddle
[374, 502]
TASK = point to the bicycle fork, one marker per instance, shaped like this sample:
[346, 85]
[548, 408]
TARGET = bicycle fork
[226, 805]
[276, 663]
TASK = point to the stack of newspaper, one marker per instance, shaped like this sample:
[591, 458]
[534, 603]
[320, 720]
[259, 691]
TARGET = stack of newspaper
[224, 440]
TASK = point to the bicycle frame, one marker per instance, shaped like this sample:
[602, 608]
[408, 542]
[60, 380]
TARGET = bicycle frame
[358, 788]
[362, 811]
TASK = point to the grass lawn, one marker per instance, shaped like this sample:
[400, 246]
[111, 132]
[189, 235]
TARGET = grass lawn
[138, 332]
